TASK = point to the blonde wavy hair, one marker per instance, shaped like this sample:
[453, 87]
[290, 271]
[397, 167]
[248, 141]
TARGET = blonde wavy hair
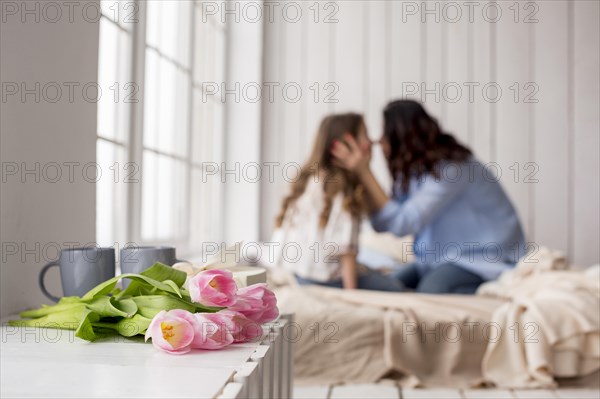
[335, 179]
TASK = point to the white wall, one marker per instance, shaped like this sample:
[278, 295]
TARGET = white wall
[37, 216]
[243, 133]
[377, 47]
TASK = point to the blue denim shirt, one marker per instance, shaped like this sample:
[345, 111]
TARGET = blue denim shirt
[462, 217]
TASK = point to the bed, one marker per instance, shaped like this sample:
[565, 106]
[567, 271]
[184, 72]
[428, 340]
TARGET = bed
[535, 325]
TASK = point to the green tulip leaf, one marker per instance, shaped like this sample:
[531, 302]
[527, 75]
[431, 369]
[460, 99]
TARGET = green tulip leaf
[69, 299]
[160, 273]
[138, 324]
[137, 280]
[47, 310]
[85, 330]
[150, 305]
[68, 318]
[102, 288]
[106, 306]
[174, 286]
[127, 306]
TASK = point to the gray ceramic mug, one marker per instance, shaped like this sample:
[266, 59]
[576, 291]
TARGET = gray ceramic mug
[136, 259]
[81, 269]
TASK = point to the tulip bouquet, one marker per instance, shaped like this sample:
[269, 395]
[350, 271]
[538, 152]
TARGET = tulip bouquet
[179, 313]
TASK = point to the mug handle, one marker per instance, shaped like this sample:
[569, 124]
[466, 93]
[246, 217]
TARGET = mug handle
[42, 279]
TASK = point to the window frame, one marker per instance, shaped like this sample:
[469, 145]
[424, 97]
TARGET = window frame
[134, 145]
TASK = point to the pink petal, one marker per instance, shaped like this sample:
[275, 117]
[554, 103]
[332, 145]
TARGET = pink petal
[151, 330]
[257, 303]
[213, 288]
[213, 333]
[171, 333]
[177, 333]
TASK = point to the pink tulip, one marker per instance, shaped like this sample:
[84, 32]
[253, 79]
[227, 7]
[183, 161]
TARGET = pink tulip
[257, 303]
[171, 333]
[242, 328]
[190, 318]
[213, 288]
[213, 332]
[210, 330]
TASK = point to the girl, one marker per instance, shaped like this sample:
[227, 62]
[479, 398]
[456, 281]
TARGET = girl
[318, 224]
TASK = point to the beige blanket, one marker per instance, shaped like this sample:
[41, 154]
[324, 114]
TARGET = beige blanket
[447, 340]
[363, 336]
[550, 324]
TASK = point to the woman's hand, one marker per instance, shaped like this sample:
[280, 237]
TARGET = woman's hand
[350, 157]
[356, 160]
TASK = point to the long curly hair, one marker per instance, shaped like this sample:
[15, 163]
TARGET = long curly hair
[417, 143]
[320, 165]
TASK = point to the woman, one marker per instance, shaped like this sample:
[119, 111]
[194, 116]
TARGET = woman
[466, 230]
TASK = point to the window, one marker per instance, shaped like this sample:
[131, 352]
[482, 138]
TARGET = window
[156, 137]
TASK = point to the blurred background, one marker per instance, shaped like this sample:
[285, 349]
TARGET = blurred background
[182, 122]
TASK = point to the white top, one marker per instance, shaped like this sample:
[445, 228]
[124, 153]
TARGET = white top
[308, 250]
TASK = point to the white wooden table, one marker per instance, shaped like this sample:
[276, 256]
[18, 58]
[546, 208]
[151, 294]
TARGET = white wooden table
[54, 364]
